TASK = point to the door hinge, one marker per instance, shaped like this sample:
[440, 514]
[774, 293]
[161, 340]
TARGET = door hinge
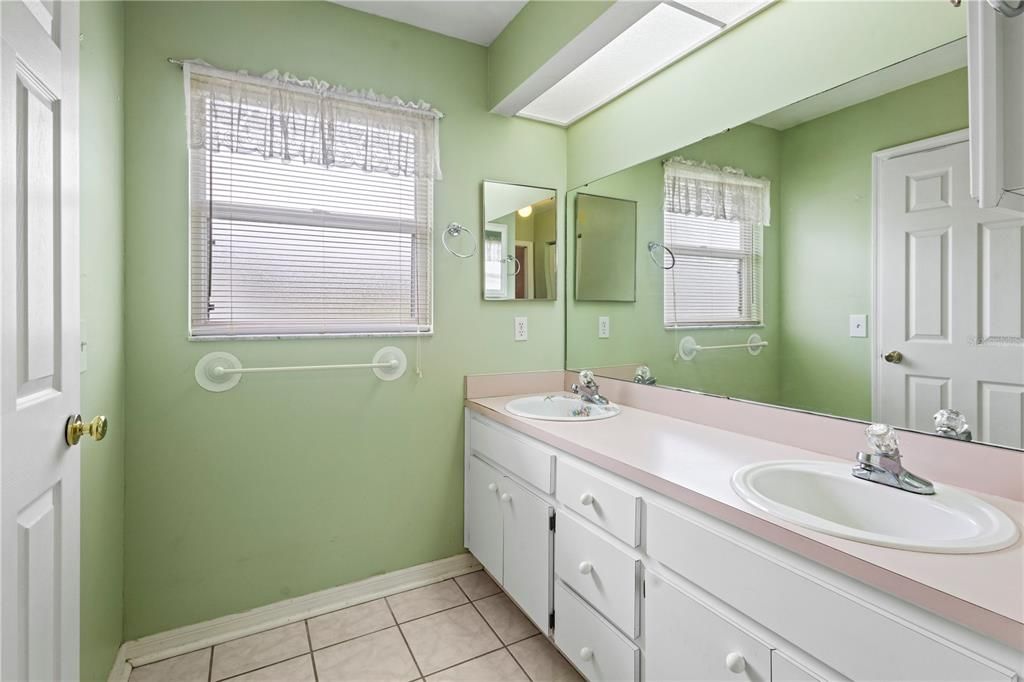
[551, 522]
[643, 588]
[551, 620]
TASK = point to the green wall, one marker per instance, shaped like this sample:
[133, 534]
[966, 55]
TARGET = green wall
[637, 331]
[102, 252]
[294, 483]
[792, 50]
[826, 236]
[536, 34]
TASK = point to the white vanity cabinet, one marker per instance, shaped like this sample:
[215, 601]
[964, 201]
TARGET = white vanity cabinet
[643, 588]
[996, 92]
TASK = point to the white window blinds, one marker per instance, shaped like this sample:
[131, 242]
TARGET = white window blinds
[311, 208]
[713, 220]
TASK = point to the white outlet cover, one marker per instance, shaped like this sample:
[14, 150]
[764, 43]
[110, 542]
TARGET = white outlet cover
[604, 327]
[521, 329]
[858, 326]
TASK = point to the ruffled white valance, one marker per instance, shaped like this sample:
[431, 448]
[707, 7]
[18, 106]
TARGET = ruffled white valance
[700, 189]
[309, 121]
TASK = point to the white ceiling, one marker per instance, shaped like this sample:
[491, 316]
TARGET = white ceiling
[922, 67]
[478, 21]
[662, 36]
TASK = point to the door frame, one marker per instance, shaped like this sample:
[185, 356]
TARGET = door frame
[877, 159]
[529, 263]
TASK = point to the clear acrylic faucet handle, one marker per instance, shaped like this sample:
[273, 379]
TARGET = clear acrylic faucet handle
[883, 438]
[587, 377]
[952, 420]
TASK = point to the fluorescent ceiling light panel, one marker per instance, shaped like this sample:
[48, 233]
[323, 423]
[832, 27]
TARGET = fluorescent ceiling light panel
[725, 11]
[663, 35]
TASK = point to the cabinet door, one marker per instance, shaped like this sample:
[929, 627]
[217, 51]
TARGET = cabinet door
[484, 515]
[687, 641]
[528, 569]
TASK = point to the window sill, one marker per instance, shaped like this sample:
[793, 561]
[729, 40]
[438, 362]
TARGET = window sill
[305, 337]
[728, 325]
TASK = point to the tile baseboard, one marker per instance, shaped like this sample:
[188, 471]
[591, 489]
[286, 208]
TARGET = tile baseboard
[201, 635]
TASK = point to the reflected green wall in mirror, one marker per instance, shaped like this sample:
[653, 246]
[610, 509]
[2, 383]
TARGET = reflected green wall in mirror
[604, 248]
[817, 256]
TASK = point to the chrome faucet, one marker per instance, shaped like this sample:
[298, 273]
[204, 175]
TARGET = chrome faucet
[587, 389]
[643, 376]
[952, 424]
[884, 464]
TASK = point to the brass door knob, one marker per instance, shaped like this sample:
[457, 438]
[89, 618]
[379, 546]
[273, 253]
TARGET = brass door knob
[76, 428]
[893, 356]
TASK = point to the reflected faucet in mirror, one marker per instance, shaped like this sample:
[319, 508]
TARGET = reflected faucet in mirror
[952, 424]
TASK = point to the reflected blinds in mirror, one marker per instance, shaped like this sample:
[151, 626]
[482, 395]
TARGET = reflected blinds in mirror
[286, 242]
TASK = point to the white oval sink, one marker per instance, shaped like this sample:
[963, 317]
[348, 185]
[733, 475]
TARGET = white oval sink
[826, 497]
[559, 408]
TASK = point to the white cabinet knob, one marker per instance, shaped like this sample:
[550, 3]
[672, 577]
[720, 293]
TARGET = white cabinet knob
[505, 497]
[586, 567]
[492, 487]
[586, 499]
[586, 653]
[735, 662]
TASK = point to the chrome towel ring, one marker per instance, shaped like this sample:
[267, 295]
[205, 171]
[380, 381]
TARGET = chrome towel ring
[512, 259]
[654, 246]
[454, 230]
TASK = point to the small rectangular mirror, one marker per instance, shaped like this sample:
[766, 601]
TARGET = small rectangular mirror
[605, 249]
[520, 242]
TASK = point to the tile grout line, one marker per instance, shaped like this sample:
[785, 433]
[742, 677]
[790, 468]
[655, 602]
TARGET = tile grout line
[404, 640]
[312, 659]
[504, 646]
[262, 667]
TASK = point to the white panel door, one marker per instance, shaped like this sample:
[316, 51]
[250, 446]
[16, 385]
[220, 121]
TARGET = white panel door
[484, 515]
[39, 336]
[950, 299]
[527, 568]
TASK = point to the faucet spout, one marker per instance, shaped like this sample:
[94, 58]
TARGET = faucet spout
[587, 389]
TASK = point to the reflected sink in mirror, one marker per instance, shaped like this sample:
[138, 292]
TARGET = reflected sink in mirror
[559, 408]
[825, 497]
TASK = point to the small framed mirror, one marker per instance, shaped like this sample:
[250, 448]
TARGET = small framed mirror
[605, 248]
[520, 242]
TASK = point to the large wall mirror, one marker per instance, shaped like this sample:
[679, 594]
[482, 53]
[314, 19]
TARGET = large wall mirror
[520, 242]
[826, 257]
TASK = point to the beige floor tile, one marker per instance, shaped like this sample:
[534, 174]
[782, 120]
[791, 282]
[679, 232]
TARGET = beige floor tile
[477, 585]
[193, 667]
[508, 621]
[426, 600]
[498, 666]
[542, 662]
[450, 637]
[349, 623]
[255, 651]
[378, 657]
[294, 670]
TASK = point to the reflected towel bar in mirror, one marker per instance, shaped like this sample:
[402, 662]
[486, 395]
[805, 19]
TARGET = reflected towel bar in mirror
[220, 371]
[688, 346]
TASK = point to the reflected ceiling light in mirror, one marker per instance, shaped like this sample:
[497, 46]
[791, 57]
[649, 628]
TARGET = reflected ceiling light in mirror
[661, 37]
[525, 211]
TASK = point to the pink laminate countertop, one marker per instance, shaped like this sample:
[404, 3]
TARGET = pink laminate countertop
[694, 463]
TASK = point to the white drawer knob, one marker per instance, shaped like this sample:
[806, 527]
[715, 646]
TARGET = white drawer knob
[586, 499]
[505, 497]
[492, 487]
[586, 653]
[586, 567]
[735, 662]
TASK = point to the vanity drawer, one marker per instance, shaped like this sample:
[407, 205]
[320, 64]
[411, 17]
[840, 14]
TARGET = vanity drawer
[686, 640]
[599, 501]
[529, 460]
[785, 669]
[603, 574]
[590, 643]
[836, 626]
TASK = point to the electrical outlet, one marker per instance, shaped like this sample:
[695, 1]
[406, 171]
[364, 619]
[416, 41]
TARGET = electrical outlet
[604, 327]
[521, 329]
[858, 326]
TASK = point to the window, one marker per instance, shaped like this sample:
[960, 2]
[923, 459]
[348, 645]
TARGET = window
[713, 224]
[311, 210]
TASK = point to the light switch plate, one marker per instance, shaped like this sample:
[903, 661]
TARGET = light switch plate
[604, 327]
[521, 331]
[858, 326]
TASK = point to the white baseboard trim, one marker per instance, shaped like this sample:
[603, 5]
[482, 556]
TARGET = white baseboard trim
[191, 637]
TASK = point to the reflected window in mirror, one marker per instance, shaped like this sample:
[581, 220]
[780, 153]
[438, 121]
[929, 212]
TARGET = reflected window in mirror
[713, 221]
[520, 242]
